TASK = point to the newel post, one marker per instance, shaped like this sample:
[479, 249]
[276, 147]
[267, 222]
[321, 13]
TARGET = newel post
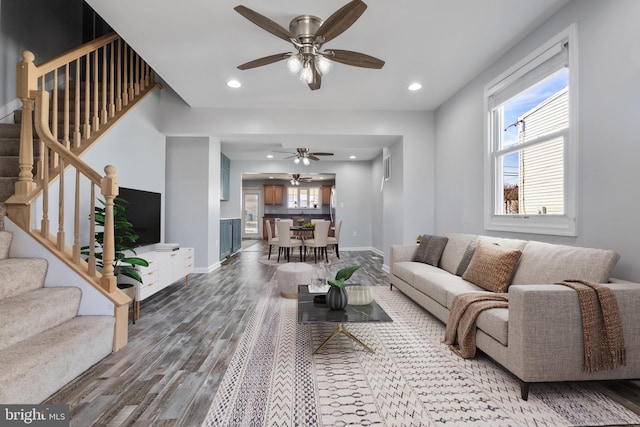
[109, 189]
[26, 80]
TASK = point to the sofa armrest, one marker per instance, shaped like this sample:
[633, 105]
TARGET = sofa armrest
[401, 253]
[546, 337]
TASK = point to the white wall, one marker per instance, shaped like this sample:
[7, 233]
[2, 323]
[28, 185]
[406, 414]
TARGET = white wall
[609, 103]
[193, 194]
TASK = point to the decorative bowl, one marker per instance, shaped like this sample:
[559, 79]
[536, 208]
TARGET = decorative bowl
[359, 295]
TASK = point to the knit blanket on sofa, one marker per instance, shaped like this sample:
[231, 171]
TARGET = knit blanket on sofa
[460, 332]
[604, 347]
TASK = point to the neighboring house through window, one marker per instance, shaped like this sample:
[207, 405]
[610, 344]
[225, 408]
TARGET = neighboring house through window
[530, 182]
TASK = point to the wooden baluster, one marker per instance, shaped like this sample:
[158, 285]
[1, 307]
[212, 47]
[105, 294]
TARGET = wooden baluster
[77, 138]
[87, 96]
[103, 112]
[44, 222]
[54, 116]
[60, 236]
[125, 84]
[91, 261]
[76, 221]
[26, 81]
[96, 94]
[112, 105]
[131, 67]
[65, 128]
[119, 77]
[137, 87]
[41, 147]
[109, 189]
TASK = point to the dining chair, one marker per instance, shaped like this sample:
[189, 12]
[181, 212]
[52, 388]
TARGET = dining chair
[335, 239]
[319, 241]
[285, 241]
[271, 241]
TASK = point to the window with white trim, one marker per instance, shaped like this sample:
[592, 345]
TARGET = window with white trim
[303, 197]
[530, 173]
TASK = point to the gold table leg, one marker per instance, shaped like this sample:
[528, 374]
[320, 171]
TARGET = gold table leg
[342, 330]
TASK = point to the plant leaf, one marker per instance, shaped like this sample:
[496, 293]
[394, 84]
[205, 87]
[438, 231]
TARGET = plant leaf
[338, 283]
[346, 272]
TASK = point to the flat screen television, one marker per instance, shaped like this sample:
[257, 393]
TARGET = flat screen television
[144, 212]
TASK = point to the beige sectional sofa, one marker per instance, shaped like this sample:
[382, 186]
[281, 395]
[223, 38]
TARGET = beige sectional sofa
[539, 337]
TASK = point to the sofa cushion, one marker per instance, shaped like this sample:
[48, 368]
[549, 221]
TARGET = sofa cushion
[466, 257]
[436, 285]
[505, 243]
[430, 249]
[545, 263]
[495, 323]
[455, 286]
[492, 266]
[408, 270]
[453, 252]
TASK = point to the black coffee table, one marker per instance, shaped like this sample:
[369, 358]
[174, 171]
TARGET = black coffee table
[311, 312]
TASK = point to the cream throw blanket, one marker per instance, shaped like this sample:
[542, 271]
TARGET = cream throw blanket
[460, 333]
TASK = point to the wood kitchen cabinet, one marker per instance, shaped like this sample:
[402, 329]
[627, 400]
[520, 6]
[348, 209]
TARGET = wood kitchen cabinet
[326, 194]
[273, 194]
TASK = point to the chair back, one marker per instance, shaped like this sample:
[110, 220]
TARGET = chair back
[321, 233]
[284, 232]
[336, 234]
[267, 224]
[315, 221]
[289, 223]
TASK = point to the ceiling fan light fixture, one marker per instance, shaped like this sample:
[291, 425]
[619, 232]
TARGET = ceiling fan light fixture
[306, 161]
[296, 160]
[306, 75]
[323, 64]
[294, 64]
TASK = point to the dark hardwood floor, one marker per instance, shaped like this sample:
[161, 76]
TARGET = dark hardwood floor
[180, 347]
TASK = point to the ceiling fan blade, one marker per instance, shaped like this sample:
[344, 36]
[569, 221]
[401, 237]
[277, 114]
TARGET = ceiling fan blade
[264, 61]
[317, 80]
[355, 59]
[341, 20]
[312, 157]
[265, 23]
[322, 154]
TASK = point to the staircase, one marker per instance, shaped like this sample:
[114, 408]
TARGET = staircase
[44, 344]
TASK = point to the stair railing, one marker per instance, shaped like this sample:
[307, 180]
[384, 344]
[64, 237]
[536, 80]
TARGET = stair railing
[107, 78]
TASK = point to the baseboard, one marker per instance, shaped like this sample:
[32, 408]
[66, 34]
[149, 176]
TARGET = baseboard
[207, 270]
[386, 268]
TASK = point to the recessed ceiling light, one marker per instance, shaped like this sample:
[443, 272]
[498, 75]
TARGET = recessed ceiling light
[269, 156]
[234, 84]
[352, 157]
[415, 86]
[270, 177]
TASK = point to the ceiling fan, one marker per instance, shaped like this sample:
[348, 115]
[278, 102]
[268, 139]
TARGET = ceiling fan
[304, 155]
[308, 34]
[296, 179]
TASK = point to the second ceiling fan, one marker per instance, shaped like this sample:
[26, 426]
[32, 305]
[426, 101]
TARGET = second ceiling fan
[308, 34]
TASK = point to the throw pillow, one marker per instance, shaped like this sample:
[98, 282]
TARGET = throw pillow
[492, 266]
[466, 257]
[430, 249]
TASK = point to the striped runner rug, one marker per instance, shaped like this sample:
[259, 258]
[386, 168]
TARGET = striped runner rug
[411, 380]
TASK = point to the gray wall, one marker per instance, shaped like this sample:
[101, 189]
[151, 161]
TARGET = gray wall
[193, 194]
[46, 28]
[608, 126]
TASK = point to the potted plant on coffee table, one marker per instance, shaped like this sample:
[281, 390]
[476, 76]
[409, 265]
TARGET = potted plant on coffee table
[337, 296]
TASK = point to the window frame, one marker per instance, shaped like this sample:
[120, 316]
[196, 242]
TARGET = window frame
[307, 190]
[560, 225]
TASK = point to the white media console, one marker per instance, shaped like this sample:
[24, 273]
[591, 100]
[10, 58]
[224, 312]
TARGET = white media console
[165, 267]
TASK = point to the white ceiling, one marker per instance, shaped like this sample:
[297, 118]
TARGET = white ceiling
[196, 45]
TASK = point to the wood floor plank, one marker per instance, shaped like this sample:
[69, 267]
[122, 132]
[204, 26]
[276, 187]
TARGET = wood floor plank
[183, 343]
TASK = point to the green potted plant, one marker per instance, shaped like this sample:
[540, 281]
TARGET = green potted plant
[337, 297]
[124, 238]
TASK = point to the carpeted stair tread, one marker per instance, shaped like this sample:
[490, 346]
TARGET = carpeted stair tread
[34, 369]
[11, 146]
[9, 130]
[19, 275]
[5, 241]
[30, 313]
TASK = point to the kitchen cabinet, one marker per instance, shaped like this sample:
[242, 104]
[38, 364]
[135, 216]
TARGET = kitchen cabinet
[326, 194]
[273, 194]
[225, 177]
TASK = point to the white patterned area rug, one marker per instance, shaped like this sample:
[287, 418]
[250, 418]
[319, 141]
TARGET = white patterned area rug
[411, 380]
